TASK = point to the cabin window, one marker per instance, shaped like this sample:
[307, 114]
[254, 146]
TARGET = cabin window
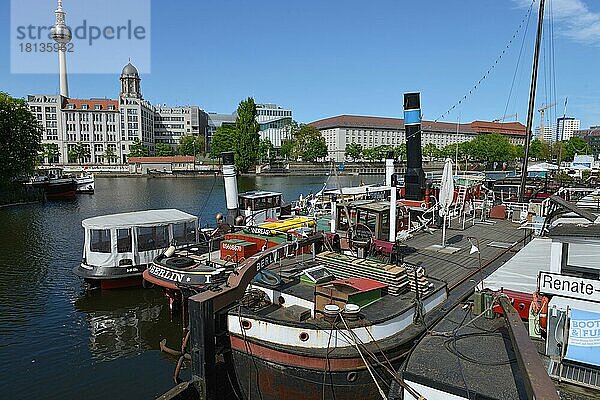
[152, 238]
[124, 240]
[100, 241]
[185, 232]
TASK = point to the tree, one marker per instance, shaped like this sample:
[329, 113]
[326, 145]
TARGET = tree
[164, 150]
[400, 151]
[137, 149]
[316, 148]
[109, 155]
[430, 150]
[247, 137]
[266, 150]
[490, 147]
[191, 145]
[78, 153]
[287, 148]
[573, 146]
[224, 139]
[20, 136]
[51, 152]
[535, 149]
[353, 150]
[309, 143]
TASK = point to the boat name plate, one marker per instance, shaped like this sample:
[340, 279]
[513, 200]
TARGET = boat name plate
[569, 286]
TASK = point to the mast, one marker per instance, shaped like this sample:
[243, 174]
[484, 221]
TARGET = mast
[534, 74]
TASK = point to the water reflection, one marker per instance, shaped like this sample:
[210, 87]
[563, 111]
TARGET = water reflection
[123, 323]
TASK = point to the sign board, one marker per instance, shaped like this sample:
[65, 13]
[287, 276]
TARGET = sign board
[584, 337]
[257, 230]
[569, 286]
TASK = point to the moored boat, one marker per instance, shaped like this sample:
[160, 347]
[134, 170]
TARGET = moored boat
[55, 184]
[119, 247]
[85, 183]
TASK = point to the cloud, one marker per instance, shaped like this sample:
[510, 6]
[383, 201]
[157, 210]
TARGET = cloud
[573, 19]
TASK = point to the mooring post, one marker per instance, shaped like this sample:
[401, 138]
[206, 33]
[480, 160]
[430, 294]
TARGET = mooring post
[202, 336]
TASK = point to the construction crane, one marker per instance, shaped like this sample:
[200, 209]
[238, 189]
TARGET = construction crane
[516, 115]
[542, 110]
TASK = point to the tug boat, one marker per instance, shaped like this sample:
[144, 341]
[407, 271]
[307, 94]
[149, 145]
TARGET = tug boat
[119, 247]
[55, 184]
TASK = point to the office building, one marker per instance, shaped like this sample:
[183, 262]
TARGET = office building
[565, 126]
[371, 132]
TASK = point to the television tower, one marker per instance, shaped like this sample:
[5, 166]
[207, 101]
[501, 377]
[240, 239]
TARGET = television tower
[62, 35]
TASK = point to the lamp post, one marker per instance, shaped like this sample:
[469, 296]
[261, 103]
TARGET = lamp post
[475, 249]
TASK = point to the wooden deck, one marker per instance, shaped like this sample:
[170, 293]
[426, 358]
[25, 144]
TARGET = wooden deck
[454, 268]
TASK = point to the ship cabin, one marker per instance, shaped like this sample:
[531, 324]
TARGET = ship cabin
[259, 206]
[375, 215]
[130, 241]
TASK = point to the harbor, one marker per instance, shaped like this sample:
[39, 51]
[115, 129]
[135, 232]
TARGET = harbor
[66, 342]
[446, 251]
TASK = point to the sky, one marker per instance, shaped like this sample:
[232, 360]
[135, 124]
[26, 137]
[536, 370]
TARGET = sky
[326, 58]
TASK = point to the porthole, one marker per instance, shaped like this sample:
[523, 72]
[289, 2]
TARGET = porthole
[246, 324]
[352, 376]
[303, 336]
[281, 300]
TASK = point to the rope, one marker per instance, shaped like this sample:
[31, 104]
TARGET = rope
[381, 392]
[485, 75]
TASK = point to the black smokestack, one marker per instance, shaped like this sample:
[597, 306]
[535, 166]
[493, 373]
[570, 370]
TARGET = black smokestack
[414, 178]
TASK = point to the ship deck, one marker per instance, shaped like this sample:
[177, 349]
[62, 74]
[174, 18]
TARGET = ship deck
[498, 242]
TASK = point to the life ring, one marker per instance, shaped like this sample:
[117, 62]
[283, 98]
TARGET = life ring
[179, 262]
[539, 306]
[268, 278]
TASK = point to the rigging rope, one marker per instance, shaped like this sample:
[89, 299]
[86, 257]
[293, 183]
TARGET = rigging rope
[485, 75]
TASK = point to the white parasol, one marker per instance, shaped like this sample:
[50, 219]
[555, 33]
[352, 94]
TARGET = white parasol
[446, 195]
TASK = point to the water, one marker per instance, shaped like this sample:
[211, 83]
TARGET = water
[59, 341]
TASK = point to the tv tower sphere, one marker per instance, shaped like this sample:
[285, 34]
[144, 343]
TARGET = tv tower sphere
[60, 31]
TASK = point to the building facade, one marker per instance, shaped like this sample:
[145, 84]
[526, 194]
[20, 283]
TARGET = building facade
[273, 122]
[565, 127]
[214, 122]
[171, 123]
[548, 135]
[371, 132]
[106, 128]
[591, 137]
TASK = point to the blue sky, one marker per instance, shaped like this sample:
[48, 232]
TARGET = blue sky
[325, 58]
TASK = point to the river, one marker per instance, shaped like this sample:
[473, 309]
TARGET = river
[58, 340]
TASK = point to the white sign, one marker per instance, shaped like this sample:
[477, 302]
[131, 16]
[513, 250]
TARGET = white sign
[569, 286]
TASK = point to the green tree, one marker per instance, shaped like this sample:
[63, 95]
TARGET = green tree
[400, 151]
[490, 147]
[266, 150]
[353, 150]
[109, 155]
[78, 153]
[224, 139]
[137, 149]
[164, 150]
[191, 145]
[309, 143]
[316, 148]
[430, 150]
[287, 148]
[20, 136]
[51, 152]
[573, 146]
[535, 149]
[247, 137]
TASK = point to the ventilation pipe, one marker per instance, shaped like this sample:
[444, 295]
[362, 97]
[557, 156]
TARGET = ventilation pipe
[231, 192]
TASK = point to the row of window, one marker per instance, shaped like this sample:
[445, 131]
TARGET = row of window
[97, 107]
[148, 238]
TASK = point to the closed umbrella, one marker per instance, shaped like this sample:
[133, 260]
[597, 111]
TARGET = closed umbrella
[446, 195]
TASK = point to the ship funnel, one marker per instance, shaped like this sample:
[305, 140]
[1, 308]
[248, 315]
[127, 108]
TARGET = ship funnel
[414, 178]
[231, 192]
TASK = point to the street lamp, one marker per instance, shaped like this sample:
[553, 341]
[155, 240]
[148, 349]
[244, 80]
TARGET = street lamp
[475, 249]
